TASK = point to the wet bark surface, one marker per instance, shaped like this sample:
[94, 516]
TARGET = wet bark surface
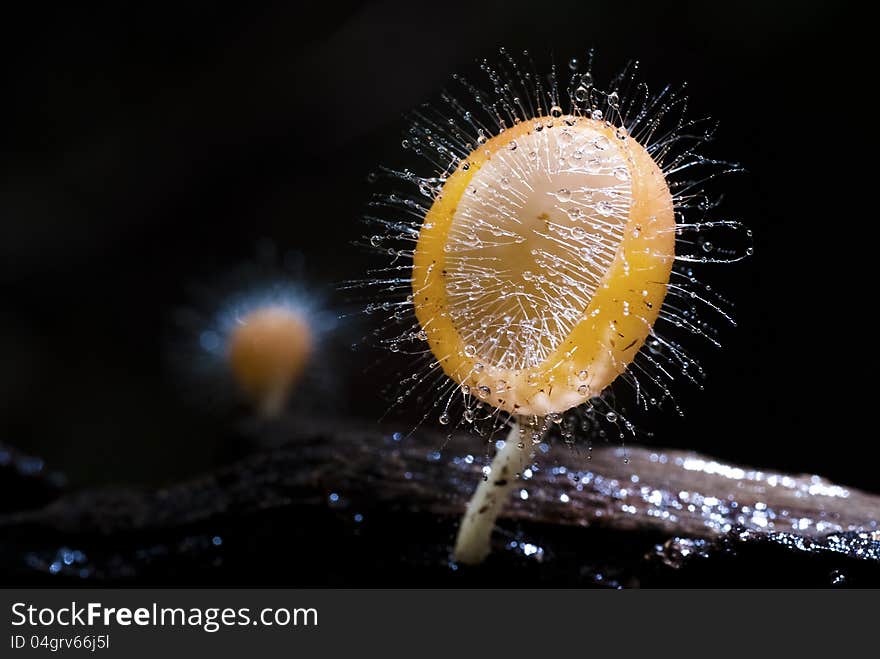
[344, 505]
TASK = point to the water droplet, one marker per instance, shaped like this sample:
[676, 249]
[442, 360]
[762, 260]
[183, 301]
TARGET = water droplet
[444, 418]
[611, 416]
[613, 99]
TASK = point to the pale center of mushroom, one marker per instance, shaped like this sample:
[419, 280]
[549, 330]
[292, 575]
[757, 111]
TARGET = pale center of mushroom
[531, 239]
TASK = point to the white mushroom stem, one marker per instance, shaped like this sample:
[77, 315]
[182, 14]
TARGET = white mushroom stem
[473, 542]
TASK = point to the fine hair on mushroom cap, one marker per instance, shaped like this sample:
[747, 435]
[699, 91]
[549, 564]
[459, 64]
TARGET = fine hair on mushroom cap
[548, 248]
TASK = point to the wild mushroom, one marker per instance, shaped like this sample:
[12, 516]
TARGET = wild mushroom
[543, 250]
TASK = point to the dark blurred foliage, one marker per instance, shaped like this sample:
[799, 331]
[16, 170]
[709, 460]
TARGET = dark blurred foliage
[146, 148]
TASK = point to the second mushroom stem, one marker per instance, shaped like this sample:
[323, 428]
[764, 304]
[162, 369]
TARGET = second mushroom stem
[473, 542]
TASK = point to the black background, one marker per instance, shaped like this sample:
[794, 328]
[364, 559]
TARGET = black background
[146, 149]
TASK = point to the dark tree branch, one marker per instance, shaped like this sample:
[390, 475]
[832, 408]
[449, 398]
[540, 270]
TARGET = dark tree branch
[663, 493]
